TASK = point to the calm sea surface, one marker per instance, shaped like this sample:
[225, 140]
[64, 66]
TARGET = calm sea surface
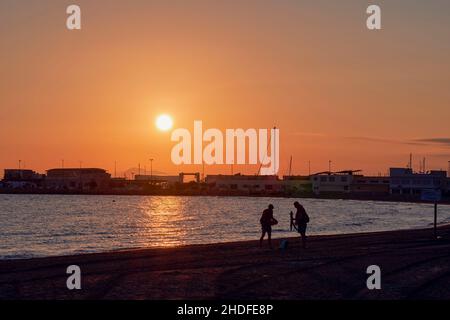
[48, 225]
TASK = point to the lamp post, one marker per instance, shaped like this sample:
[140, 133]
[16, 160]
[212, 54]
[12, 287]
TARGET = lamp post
[151, 170]
[448, 172]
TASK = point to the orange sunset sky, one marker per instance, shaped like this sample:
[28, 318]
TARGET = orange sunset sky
[337, 91]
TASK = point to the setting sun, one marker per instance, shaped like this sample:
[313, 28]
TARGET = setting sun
[164, 122]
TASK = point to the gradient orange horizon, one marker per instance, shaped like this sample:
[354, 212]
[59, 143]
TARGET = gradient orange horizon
[337, 91]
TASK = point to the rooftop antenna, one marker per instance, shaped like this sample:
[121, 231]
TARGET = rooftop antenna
[329, 166]
[424, 165]
[290, 167]
[410, 161]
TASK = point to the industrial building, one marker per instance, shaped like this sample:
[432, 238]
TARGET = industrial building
[332, 182]
[297, 184]
[401, 183]
[84, 179]
[248, 183]
[22, 179]
[404, 181]
[159, 179]
[370, 186]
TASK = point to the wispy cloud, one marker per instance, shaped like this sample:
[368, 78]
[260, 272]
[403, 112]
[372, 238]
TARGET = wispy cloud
[444, 142]
[417, 142]
[372, 139]
[383, 140]
[440, 141]
[307, 134]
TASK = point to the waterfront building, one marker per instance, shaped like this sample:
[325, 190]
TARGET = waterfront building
[371, 186]
[297, 184]
[332, 182]
[22, 179]
[406, 182]
[249, 183]
[86, 179]
[159, 179]
[21, 175]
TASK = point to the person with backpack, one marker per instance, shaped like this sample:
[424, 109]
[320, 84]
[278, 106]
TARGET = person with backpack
[301, 221]
[267, 221]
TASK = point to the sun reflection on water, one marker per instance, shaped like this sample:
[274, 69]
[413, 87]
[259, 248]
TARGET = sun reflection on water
[164, 222]
[43, 225]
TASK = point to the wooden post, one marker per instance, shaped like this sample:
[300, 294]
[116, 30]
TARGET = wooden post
[435, 220]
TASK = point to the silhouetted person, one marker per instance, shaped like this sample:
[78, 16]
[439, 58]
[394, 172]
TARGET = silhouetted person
[301, 221]
[267, 221]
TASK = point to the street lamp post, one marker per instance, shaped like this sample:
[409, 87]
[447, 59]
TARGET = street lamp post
[151, 170]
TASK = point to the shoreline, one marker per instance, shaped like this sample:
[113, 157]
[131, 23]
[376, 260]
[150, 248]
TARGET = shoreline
[413, 265]
[193, 246]
[309, 196]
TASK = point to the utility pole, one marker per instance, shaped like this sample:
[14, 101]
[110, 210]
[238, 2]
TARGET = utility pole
[62, 163]
[151, 170]
[115, 169]
[275, 172]
[290, 167]
[329, 166]
[448, 170]
[20, 164]
[410, 161]
[309, 168]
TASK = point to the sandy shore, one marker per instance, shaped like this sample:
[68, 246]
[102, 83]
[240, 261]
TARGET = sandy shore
[413, 266]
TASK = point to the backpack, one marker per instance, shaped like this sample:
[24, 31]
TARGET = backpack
[306, 217]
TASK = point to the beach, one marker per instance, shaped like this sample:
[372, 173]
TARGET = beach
[413, 266]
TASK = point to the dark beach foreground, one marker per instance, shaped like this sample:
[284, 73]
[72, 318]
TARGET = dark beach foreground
[413, 266]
